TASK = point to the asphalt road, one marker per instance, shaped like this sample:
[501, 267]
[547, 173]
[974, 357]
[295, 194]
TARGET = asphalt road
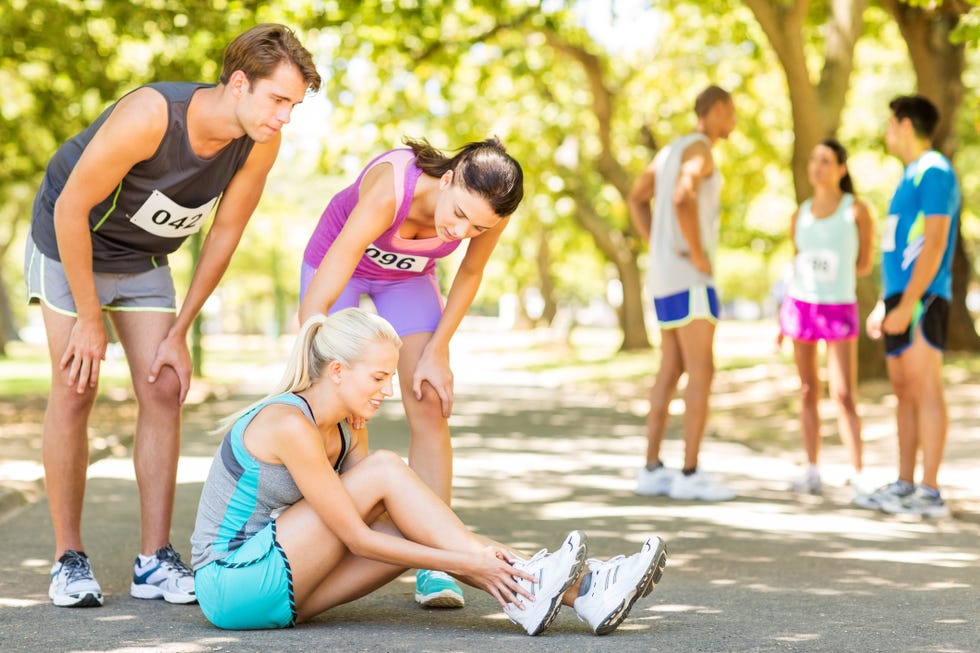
[767, 572]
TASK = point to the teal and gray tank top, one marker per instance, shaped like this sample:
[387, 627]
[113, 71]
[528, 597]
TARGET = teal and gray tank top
[243, 494]
[159, 203]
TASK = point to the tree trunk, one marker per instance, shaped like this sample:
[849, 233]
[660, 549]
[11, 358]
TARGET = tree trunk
[871, 353]
[616, 244]
[816, 108]
[631, 312]
[7, 330]
[547, 283]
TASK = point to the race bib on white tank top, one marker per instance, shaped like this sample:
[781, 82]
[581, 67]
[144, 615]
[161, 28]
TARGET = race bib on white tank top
[820, 265]
[163, 217]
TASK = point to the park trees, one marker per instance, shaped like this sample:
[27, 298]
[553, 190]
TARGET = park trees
[582, 93]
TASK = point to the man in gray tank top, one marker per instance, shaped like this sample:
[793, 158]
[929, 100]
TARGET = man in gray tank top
[682, 229]
[115, 201]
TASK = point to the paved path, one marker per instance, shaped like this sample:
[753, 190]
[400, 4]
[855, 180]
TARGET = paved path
[766, 572]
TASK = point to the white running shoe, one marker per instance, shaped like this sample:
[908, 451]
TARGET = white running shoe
[72, 583]
[164, 576]
[885, 494]
[654, 482]
[555, 573]
[809, 482]
[612, 587]
[699, 486]
[921, 502]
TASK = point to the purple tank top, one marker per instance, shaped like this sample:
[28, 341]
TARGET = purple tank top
[390, 256]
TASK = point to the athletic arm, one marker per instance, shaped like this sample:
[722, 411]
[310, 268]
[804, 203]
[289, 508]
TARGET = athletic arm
[936, 232]
[370, 217]
[865, 230]
[238, 202]
[638, 201]
[792, 231]
[433, 364]
[131, 133]
[696, 166]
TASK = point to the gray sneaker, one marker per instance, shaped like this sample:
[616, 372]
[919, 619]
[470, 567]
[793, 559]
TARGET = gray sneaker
[920, 502]
[886, 493]
[165, 577]
[72, 583]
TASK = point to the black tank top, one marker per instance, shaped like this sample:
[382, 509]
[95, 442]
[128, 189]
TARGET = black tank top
[159, 203]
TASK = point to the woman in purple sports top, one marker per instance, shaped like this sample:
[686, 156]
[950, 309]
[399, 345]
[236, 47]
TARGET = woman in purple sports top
[381, 237]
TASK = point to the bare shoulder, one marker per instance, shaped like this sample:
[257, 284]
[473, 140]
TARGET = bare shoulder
[378, 184]
[278, 428]
[697, 148]
[376, 202]
[145, 108]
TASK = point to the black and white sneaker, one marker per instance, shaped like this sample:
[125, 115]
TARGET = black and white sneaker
[72, 583]
[163, 576]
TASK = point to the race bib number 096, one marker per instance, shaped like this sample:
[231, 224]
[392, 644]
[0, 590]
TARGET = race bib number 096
[161, 216]
[395, 261]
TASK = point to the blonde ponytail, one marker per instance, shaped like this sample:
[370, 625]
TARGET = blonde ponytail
[322, 339]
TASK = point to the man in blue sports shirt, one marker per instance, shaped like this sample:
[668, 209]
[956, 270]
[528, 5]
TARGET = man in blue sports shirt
[917, 245]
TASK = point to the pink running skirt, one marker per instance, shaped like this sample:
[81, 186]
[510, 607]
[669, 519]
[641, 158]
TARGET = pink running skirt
[812, 322]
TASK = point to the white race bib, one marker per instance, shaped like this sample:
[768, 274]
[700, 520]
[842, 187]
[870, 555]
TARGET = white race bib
[161, 216]
[888, 233]
[819, 265]
[395, 261]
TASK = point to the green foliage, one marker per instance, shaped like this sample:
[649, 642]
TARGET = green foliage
[456, 71]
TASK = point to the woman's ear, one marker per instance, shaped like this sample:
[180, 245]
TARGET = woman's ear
[335, 371]
[445, 180]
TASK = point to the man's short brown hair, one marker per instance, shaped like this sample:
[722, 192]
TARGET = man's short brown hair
[257, 52]
[708, 98]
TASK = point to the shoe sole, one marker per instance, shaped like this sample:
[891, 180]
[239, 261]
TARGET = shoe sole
[649, 580]
[929, 514]
[443, 599]
[86, 600]
[573, 574]
[150, 592]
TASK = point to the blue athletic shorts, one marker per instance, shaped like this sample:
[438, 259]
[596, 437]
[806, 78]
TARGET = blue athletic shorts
[152, 290]
[697, 303]
[251, 588]
[412, 305]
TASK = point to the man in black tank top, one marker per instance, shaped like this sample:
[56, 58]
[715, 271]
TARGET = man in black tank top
[115, 200]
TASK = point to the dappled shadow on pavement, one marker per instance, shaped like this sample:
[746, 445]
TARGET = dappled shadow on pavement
[769, 571]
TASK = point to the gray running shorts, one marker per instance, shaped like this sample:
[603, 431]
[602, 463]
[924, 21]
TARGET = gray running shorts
[152, 290]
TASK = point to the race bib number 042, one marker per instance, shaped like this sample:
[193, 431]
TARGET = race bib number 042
[395, 261]
[161, 216]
